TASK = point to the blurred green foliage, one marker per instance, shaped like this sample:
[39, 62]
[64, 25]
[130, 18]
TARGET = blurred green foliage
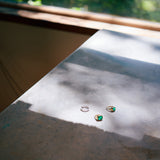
[143, 9]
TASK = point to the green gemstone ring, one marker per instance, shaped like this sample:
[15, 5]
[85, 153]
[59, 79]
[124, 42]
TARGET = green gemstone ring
[98, 117]
[111, 108]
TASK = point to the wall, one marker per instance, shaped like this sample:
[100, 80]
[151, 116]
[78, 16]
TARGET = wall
[27, 53]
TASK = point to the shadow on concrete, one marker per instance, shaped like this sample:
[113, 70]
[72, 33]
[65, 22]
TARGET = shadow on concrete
[28, 135]
[121, 65]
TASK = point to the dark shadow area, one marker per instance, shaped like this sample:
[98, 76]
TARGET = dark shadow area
[32, 18]
[27, 135]
[107, 62]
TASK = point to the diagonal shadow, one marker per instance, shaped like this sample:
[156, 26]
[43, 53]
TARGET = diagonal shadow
[106, 62]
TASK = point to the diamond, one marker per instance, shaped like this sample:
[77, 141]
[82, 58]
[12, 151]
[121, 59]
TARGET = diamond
[84, 109]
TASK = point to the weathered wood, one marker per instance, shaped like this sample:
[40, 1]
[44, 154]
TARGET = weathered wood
[132, 22]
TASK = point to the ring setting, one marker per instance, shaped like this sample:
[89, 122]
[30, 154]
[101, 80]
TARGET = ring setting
[84, 109]
[98, 117]
[111, 108]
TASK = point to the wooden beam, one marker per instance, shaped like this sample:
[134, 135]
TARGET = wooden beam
[112, 19]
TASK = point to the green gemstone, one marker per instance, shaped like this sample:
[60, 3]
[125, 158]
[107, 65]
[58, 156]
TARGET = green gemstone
[100, 118]
[114, 109]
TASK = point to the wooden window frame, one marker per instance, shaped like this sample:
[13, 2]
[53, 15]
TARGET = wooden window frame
[75, 21]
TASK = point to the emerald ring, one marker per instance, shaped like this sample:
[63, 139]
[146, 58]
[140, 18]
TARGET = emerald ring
[111, 108]
[98, 117]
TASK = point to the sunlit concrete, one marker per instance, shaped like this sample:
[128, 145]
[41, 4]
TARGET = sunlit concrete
[133, 47]
[98, 79]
